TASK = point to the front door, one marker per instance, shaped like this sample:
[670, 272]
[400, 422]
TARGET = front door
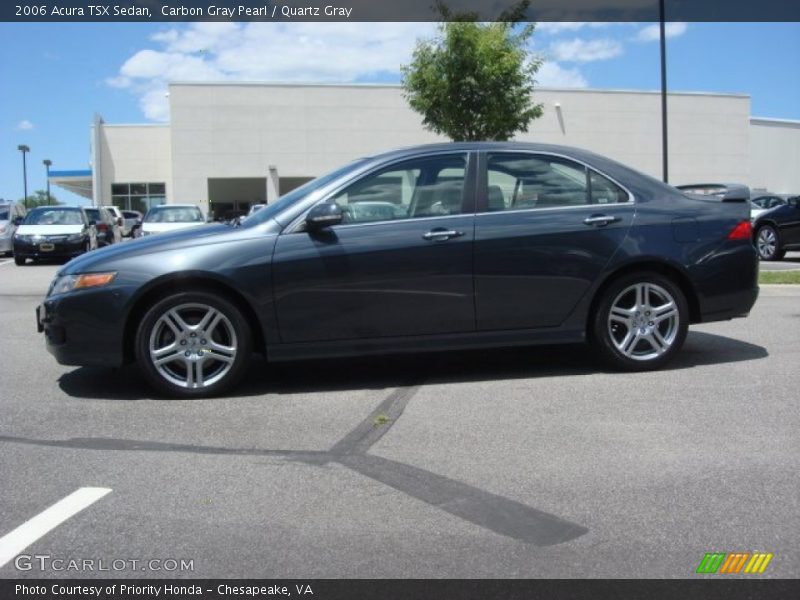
[400, 263]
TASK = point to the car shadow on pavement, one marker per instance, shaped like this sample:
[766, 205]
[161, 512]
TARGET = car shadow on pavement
[393, 370]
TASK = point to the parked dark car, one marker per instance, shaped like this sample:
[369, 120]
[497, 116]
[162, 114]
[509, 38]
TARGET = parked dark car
[53, 232]
[132, 221]
[778, 230]
[108, 229]
[436, 247]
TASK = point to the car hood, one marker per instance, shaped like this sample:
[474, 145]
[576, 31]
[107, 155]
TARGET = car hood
[100, 259]
[48, 229]
[161, 227]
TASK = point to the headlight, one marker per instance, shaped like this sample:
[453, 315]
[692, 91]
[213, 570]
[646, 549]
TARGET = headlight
[3, 229]
[67, 283]
[75, 237]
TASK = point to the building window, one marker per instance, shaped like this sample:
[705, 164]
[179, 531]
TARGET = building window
[138, 196]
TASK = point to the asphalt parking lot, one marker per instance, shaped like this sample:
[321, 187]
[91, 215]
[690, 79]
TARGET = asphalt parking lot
[510, 463]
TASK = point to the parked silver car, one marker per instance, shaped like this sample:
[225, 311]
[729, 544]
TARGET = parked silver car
[9, 213]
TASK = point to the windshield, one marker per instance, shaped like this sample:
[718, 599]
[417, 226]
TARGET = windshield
[93, 214]
[4, 213]
[272, 209]
[54, 216]
[174, 214]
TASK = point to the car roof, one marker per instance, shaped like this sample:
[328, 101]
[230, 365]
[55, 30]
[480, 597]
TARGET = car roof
[175, 206]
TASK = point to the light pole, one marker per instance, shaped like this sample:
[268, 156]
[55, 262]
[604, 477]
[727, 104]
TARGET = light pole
[47, 162]
[24, 149]
[664, 146]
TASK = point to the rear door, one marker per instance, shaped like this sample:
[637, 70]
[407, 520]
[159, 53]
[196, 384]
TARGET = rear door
[546, 228]
[400, 264]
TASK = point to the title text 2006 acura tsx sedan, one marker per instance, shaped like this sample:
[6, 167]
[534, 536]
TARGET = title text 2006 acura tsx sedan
[428, 248]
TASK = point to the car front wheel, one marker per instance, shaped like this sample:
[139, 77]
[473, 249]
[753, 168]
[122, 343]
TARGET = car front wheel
[193, 344]
[768, 243]
[641, 321]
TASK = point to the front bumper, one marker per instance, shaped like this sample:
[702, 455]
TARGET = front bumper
[84, 328]
[49, 249]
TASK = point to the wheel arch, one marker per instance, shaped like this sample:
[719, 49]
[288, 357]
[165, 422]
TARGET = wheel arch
[182, 282]
[671, 271]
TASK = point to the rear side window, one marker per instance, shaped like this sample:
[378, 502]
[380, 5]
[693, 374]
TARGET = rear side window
[605, 191]
[531, 181]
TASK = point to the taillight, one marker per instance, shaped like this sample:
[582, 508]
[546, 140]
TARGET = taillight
[743, 231]
[102, 227]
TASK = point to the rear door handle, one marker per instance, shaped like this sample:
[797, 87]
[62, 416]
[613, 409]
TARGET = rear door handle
[441, 235]
[600, 220]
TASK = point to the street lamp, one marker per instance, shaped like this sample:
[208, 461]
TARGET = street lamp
[663, 45]
[23, 148]
[47, 162]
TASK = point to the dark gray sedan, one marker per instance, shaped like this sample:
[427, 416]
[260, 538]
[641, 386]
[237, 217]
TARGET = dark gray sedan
[429, 248]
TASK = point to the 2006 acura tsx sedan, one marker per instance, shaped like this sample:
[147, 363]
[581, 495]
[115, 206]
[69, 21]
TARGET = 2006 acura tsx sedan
[438, 247]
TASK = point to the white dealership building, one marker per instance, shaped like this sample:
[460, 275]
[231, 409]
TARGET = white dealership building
[228, 145]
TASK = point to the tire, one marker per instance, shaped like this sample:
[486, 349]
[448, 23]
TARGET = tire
[19, 260]
[202, 359]
[768, 243]
[640, 322]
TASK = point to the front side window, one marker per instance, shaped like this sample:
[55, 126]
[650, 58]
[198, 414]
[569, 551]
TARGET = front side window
[529, 181]
[417, 188]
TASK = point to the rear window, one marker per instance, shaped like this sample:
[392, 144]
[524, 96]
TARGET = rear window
[4, 213]
[174, 214]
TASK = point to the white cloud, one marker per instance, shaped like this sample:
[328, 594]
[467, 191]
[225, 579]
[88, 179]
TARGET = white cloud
[652, 33]
[24, 125]
[318, 52]
[551, 74]
[556, 27]
[579, 50]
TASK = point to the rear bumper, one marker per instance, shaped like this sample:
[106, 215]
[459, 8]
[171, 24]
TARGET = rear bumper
[727, 283]
[84, 328]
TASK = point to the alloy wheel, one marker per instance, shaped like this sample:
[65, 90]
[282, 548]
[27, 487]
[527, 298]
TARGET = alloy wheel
[193, 345]
[643, 321]
[767, 242]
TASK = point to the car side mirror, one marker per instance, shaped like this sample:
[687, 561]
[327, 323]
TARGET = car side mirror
[120, 221]
[324, 215]
[794, 201]
[18, 221]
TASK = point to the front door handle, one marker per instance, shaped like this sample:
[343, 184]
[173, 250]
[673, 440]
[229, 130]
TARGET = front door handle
[600, 220]
[441, 235]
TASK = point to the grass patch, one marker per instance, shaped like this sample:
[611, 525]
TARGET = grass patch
[381, 420]
[779, 277]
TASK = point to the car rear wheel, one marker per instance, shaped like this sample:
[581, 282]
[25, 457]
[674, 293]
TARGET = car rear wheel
[641, 321]
[193, 344]
[768, 243]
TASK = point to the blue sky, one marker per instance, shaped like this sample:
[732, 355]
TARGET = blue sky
[56, 76]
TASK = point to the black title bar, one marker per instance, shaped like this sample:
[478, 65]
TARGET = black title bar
[394, 10]
[395, 589]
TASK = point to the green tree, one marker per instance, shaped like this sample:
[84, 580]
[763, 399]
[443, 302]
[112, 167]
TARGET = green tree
[475, 81]
[38, 198]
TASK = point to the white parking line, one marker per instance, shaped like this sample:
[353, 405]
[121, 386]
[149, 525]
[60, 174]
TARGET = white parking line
[30, 531]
